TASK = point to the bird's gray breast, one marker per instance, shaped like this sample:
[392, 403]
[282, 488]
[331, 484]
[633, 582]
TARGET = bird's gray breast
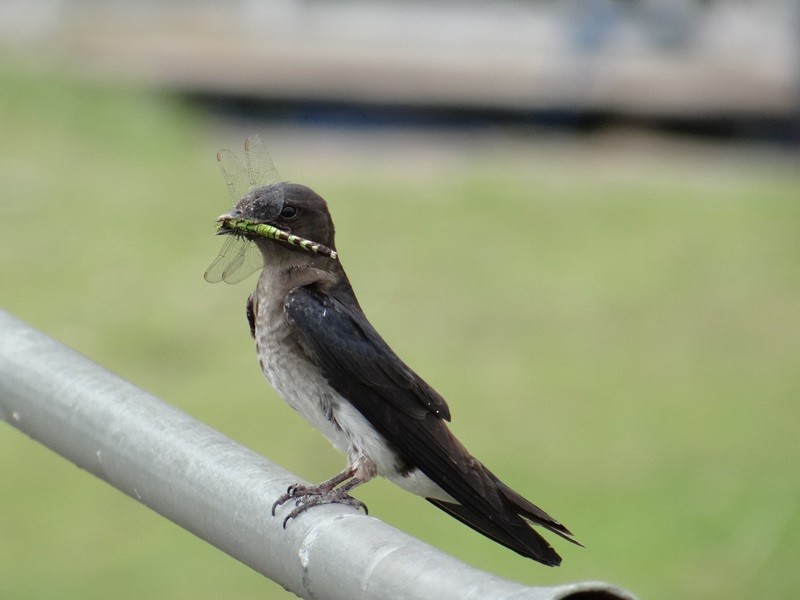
[288, 370]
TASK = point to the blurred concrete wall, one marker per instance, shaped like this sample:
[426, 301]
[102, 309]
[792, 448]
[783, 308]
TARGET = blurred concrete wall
[648, 57]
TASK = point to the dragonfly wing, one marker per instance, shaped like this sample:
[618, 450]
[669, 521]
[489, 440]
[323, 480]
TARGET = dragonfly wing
[247, 261]
[260, 169]
[235, 175]
[239, 257]
[228, 252]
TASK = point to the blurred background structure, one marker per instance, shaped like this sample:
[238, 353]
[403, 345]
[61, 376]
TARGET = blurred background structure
[624, 350]
[655, 59]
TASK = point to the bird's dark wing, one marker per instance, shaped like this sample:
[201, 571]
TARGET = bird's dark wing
[352, 356]
[408, 413]
[251, 315]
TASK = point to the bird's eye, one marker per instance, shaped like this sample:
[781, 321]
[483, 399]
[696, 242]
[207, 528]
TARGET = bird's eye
[288, 212]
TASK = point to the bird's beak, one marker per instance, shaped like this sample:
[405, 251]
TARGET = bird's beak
[228, 224]
[222, 224]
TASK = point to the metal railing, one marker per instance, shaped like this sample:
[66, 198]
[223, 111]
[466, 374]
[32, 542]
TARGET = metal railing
[221, 491]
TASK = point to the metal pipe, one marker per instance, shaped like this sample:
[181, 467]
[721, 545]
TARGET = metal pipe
[221, 491]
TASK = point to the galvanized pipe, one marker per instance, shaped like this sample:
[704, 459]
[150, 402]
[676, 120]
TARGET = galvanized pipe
[221, 491]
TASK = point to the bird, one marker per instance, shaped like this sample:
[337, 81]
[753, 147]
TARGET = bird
[321, 354]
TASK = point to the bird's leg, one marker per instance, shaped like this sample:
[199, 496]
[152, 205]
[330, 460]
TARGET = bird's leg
[306, 496]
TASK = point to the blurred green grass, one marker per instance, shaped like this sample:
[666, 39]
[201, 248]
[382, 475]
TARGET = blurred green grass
[617, 330]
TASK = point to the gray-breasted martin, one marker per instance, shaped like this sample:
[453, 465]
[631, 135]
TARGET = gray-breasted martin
[319, 351]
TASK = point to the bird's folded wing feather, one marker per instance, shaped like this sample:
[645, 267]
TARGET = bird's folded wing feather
[356, 361]
[361, 366]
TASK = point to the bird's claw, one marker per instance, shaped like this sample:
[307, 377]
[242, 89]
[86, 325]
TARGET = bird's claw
[291, 492]
[307, 496]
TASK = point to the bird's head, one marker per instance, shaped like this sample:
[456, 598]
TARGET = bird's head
[290, 215]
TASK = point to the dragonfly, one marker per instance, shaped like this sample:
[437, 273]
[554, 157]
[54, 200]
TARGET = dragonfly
[239, 257]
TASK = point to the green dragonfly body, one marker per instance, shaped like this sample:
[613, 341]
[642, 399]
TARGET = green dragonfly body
[246, 227]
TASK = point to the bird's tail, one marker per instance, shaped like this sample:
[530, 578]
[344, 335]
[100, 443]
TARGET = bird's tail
[535, 514]
[511, 524]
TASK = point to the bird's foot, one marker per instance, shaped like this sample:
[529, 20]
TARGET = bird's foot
[306, 496]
